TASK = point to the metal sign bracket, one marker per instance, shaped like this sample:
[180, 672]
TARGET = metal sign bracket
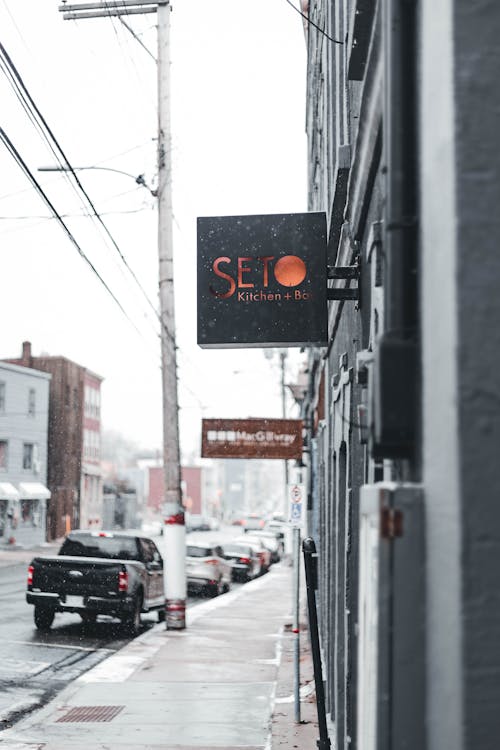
[348, 273]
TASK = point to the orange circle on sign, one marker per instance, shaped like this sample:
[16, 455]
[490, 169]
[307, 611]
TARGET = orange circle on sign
[290, 270]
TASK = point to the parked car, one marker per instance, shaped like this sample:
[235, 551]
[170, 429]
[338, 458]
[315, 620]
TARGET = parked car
[197, 522]
[244, 560]
[207, 569]
[263, 552]
[273, 544]
[277, 527]
[97, 573]
[253, 522]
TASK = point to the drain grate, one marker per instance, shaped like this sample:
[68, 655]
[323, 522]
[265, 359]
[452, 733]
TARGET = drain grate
[79, 714]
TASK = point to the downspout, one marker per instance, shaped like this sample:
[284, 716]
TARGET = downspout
[395, 386]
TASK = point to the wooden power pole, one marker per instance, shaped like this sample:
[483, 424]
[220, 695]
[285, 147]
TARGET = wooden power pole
[174, 552]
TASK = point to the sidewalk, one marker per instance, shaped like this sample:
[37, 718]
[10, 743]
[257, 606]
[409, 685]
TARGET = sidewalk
[16, 555]
[225, 682]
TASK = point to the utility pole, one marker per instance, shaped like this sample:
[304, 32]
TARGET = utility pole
[174, 530]
[174, 537]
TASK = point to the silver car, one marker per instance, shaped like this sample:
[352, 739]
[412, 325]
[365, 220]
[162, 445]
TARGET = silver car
[206, 569]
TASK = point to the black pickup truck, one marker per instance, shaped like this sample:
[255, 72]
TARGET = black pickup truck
[98, 573]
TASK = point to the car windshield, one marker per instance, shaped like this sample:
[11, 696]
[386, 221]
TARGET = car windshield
[192, 551]
[108, 547]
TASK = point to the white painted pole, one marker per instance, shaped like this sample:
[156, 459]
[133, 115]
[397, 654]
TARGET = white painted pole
[174, 537]
[296, 623]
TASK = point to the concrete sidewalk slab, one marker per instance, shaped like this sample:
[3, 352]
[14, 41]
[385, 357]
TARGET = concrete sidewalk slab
[211, 686]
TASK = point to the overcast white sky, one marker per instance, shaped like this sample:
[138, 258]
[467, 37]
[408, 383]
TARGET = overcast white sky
[238, 114]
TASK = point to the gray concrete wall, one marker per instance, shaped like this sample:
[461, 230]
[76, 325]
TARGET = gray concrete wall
[461, 334]
[439, 355]
[477, 148]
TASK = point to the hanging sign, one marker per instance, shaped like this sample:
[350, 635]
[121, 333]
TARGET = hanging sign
[262, 281]
[251, 438]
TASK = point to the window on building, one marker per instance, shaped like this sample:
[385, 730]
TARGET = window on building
[75, 398]
[28, 455]
[31, 402]
[2, 396]
[3, 455]
[66, 395]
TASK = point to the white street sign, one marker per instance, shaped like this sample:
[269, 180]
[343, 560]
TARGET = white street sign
[296, 498]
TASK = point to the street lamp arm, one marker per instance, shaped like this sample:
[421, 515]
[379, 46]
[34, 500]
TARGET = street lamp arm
[139, 179]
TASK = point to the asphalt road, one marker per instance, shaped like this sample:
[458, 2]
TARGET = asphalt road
[35, 666]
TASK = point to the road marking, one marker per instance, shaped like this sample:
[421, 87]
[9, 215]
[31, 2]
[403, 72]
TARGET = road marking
[57, 645]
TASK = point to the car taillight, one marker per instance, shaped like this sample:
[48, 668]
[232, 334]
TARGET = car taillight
[122, 581]
[211, 562]
[30, 575]
[245, 560]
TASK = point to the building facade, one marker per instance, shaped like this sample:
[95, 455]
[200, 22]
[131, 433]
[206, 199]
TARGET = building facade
[24, 417]
[403, 406]
[91, 493]
[191, 486]
[74, 477]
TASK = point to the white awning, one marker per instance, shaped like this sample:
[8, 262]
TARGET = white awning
[8, 491]
[33, 491]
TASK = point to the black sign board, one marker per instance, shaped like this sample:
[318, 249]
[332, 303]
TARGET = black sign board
[262, 281]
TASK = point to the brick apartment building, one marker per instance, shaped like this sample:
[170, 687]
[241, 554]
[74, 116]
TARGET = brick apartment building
[73, 472]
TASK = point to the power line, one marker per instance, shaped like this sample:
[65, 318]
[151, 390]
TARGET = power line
[311, 23]
[22, 164]
[67, 167]
[129, 28]
[74, 216]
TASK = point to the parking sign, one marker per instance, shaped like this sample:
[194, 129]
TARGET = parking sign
[296, 496]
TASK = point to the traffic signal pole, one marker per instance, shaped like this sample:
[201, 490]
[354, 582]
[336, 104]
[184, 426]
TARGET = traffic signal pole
[174, 538]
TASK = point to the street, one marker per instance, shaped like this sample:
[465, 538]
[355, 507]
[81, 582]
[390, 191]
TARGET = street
[35, 665]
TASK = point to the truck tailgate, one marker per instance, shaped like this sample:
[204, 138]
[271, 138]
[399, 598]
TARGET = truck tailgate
[76, 576]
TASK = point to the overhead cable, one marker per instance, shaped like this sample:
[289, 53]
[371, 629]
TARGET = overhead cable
[22, 164]
[67, 167]
[311, 23]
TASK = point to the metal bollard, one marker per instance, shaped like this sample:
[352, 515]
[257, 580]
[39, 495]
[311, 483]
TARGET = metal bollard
[311, 568]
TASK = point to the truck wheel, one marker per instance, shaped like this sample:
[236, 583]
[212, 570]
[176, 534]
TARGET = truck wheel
[132, 621]
[44, 617]
[161, 615]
